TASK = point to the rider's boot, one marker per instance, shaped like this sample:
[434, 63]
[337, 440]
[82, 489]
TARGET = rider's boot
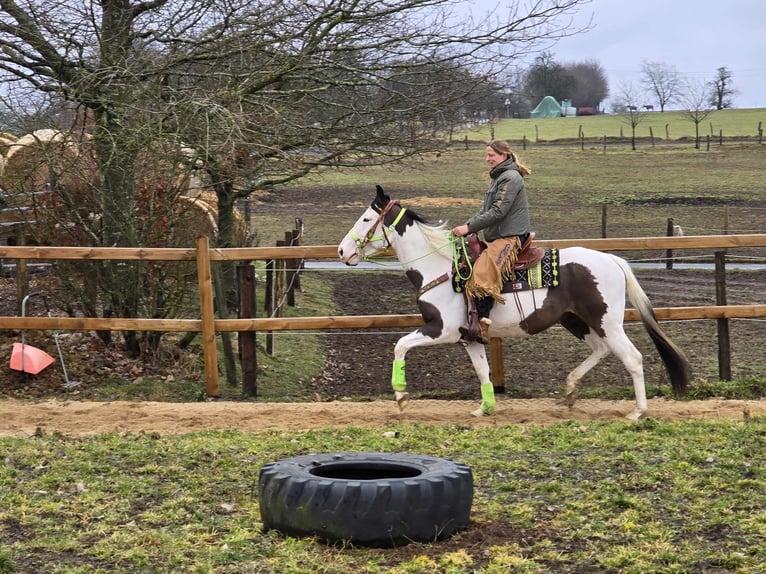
[478, 325]
[484, 324]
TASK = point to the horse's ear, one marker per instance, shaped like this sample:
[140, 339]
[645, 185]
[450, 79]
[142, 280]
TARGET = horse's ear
[381, 199]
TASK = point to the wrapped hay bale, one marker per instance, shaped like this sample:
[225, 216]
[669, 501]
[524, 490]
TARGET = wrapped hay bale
[51, 178]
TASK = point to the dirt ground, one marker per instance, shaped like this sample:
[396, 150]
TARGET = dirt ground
[74, 418]
[441, 379]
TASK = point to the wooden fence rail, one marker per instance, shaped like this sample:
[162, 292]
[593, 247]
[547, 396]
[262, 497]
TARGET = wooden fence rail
[209, 326]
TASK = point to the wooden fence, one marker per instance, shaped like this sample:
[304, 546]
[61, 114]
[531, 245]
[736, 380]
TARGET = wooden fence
[208, 325]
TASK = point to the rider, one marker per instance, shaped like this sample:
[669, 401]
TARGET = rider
[504, 219]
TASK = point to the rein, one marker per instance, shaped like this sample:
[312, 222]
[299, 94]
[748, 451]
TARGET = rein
[459, 254]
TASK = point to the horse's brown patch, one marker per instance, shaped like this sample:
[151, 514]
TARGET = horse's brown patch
[432, 317]
[434, 325]
[577, 303]
[415, 278]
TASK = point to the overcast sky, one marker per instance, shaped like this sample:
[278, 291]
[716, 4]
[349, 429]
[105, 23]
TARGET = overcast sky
[695, 37]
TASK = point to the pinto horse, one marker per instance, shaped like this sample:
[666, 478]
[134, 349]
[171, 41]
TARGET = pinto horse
[589, 301]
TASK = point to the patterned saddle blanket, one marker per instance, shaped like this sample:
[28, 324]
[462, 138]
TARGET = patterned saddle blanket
[544, 273]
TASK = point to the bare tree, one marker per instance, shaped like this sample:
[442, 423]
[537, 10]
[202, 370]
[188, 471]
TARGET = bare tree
[627, 99]
[265, 92]
[697, 106]
[720, 90]
[662, 81]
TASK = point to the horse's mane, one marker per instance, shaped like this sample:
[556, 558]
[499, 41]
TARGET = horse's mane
[437, 234]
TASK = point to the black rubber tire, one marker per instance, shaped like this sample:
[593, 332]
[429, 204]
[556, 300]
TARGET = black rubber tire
[366, 499]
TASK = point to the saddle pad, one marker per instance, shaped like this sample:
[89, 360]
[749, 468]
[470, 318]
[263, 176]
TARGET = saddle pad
[545, 273]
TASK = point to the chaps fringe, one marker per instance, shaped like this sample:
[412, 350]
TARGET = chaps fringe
[494, 266]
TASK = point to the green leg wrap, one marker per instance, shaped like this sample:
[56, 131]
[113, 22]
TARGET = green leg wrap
[487, 398]
[397, 377]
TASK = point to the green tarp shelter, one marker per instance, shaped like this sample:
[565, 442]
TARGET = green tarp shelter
[547, 108]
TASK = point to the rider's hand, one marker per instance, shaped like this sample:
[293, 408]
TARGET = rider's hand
[460, 230]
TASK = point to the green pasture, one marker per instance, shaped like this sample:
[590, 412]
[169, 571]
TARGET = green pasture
[667, 126]
[722, 190]
[599, 498]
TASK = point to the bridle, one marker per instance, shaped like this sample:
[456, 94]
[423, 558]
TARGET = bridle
[361, 243]
[386, 230]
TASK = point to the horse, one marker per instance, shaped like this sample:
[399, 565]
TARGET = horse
[589, 302]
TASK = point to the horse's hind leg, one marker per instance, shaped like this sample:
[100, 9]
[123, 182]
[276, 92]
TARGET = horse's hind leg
[599, 348]
[616, 341]
[599, 351]
[631, 357]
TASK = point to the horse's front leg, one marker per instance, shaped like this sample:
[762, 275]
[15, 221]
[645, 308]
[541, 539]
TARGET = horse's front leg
[478, 354]
[417, 338]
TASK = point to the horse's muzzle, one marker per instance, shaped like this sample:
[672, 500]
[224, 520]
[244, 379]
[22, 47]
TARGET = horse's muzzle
[350, 260]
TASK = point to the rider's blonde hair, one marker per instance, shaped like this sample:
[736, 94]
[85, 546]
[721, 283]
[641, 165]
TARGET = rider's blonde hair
[503, 147]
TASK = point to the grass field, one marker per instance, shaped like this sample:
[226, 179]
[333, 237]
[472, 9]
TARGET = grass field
[672, 125]
[706, 192]
[569, 498]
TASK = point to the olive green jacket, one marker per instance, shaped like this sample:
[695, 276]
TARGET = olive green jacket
[505, 211]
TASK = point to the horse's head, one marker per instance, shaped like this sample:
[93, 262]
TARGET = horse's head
[370, 234]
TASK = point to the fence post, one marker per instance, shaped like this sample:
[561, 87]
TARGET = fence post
[724, 348]
[22, 273]
[280, 281]
[207, 314]
[219, 301]
[268, 304]
[669, 252]
[298, 240]
[603, 220]
[291, 271]
[247, 354]
[496, 366]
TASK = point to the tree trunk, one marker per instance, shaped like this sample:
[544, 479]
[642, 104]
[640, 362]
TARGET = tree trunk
[120, 281]
[224, 190]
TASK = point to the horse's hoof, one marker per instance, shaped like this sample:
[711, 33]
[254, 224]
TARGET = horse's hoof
[636, 415]
[483, 412]
[402, 400]
[570, 397]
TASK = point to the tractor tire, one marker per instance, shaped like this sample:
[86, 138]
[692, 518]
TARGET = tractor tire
[366, 499]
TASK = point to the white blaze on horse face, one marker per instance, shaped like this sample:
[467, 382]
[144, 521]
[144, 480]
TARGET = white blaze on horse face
[348, 249]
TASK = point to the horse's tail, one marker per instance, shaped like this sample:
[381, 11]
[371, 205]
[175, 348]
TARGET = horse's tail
[673, 357]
